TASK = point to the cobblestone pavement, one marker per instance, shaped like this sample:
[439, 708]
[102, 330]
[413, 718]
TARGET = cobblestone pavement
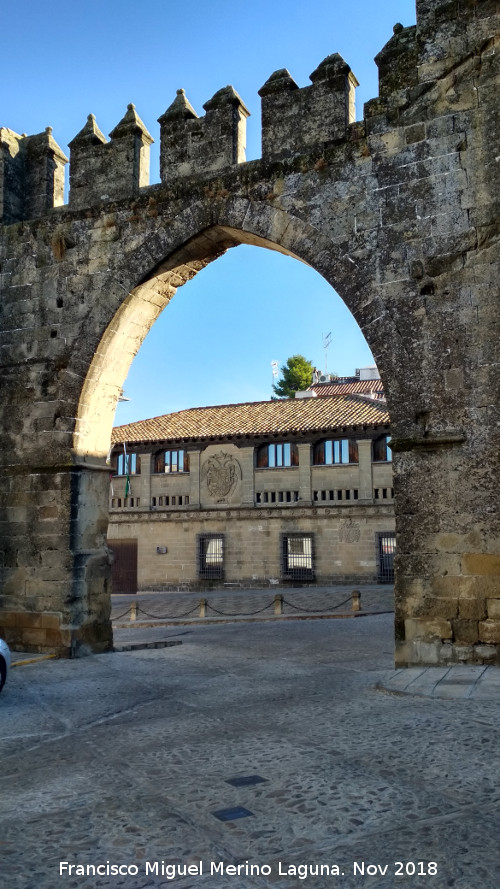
[125, 757]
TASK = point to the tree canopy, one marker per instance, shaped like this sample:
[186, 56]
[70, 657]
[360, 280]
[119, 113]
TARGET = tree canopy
[296, 375]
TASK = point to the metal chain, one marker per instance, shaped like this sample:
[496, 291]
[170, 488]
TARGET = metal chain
[314, 610]
[233, 613]
[240, 613]
[167, 616]
[119, 616]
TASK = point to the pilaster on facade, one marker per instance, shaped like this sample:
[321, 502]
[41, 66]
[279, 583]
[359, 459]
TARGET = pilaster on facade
[305, 485]
[142, 482]
[365, 480]
[194, 479]
[247, 460]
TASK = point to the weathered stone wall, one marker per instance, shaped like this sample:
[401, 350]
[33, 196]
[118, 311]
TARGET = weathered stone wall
[344, 543]
[399, 212]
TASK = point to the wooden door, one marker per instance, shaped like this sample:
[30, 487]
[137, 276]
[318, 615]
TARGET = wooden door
[124, 571]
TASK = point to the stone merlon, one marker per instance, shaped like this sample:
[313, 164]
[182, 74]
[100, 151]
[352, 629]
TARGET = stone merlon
[193, 145]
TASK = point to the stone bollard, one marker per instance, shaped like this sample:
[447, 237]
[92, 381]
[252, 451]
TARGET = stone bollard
[278, 604]
[133, 611]
[203, 608]
[356, 600]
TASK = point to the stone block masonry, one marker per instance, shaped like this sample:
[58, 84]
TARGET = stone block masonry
[398, 211]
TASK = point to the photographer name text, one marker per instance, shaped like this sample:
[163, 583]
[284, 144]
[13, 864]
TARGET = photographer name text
[173, 871]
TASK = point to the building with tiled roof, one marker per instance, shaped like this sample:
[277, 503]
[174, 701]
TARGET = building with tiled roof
[257, 418]
[295, 490]
[366, 382]
[350, 386]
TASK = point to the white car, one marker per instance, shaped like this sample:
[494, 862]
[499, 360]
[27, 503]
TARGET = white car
[4, 662]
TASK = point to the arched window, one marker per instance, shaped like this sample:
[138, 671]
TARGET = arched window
[172, 461]
[381, 449]
[272, 456]
[128, 464]
[332, 451]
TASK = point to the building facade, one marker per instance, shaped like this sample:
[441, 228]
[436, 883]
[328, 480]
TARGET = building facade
[278, 492]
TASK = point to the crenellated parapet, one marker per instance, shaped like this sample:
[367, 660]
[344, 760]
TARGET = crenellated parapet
[294, 120]
[31, 175]
[101, 170]
[192, 144]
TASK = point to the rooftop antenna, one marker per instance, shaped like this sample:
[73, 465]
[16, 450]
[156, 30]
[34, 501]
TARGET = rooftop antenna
[274, 370]
[327, 338]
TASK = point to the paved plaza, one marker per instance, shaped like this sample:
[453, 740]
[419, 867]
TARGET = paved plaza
[345, 773]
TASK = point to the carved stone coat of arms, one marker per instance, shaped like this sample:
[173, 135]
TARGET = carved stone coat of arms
[222, 473]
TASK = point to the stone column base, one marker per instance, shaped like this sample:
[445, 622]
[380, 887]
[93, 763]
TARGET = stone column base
[43, 632]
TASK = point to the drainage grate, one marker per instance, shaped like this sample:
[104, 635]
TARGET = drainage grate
[232, 814]
[246, 780]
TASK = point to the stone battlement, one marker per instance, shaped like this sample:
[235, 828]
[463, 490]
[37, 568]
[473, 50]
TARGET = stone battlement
[31, 175]
[294, 121]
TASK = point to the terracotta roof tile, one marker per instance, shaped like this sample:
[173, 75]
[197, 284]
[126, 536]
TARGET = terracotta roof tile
[256, 418]
[349, 386]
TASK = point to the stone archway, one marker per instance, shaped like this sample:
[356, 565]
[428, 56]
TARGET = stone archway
[395, 211]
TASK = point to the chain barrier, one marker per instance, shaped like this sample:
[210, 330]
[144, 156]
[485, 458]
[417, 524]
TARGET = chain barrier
[119, 616]
[314, 610]
[240, 613]
[135, 609]
[167, 616]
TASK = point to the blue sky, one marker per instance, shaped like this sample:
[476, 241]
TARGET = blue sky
[215, 341]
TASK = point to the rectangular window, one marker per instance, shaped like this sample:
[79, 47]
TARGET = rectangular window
[171, 461]
[211, 556]
[382, 449]
[335, 451]
[386, 549]
[271, 456]
[297, 557]
[128, 464]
